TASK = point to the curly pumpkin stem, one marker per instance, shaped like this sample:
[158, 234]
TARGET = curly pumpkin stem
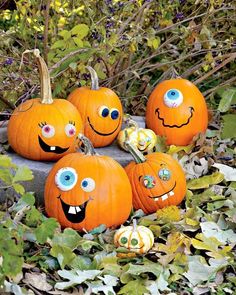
[94, 78]
[137, 155]
[88, 147]
[45, 85]
[130, 122]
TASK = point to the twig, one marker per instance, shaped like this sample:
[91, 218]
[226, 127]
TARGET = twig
[45, 35]
[8, 103]
[228, 82]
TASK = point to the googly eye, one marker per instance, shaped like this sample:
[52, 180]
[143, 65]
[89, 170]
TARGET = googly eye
[48, 131]
[134, 242]
[123, 240]
[173, 98]
[149, 181]
[70, 130]
[148, 139]
[164, 174]
[114, 113]
[88, 184]
[103, 111]
[66, 178]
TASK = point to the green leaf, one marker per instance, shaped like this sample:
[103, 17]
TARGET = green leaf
[60, 44]
[23, 173]
[6, 176]
[147, 267]
[228, 96]
[69, 238]
[205, 181]
[229, 127]
[46, 230]
[33, 217]
[6, 162]
[80, 30]
[64, 255]
[19, 188]
[211, 229]
[12, 264]
[135, 287]
[78, 41]
[98, 230]
[26, 199]
[86, 245]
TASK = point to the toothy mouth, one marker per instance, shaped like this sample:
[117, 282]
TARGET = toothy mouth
[174, 126]
[74, 214]
[103, 134]
[165, 196]
[51, 149]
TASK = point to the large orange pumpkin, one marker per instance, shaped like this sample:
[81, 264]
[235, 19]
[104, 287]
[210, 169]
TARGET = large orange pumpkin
[85, 190]
[157, 180]
[177, 110]
[100, 109]
[43, 128]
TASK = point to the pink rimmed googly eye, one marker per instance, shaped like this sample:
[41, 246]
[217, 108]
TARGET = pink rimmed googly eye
[48, 131]
[70, 130]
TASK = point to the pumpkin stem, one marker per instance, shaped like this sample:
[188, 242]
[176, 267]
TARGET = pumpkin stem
[45, 85]
[130, 122]
[94, 78]
[134, 224]
[88, 147]
[137, 155]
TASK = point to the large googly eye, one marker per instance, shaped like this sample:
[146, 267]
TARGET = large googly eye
[88, 184]
[66, 178]
[149, 181]
[123, 240]
[164, 174]
[70, 130]
[114, 113]
[173, 98]
[103, 111]
[48, 131]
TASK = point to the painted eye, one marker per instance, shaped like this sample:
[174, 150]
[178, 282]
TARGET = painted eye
[88, 184]
[103, 111]
[66, 178]
[123, 240]
[114, 114]
[148, 139]
[173, 98]
[164, 174]
[70, 130]
[134, 242]
[149, 181]
[48, 131]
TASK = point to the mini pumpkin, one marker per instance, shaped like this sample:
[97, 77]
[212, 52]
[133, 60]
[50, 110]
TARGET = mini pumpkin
[100, 109]
[177, 110]
[43, 128]
[136, 238]
[83, 191]
[143, 139]
[157, 180]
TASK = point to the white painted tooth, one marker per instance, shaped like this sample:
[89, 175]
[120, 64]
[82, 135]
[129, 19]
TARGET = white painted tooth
[78, 209]
[172, 193]
[72, 210]
[52, 148]
[156, 199]
[164, 197]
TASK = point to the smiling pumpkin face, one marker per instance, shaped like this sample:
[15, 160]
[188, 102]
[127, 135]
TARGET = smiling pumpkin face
[177, 110]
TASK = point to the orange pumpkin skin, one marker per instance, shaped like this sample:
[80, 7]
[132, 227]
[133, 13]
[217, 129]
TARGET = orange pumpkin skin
[161, 193]
[108, 203]
[179, 123]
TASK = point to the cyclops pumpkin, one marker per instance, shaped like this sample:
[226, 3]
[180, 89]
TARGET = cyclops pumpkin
[177, 109]
[157, 180]
[100, 109]
[85, 190]
[43, 128]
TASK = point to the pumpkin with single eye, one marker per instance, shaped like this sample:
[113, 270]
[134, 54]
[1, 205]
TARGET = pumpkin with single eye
[157, 180]
[143, 139]
[44, 128]
[100, 109]
[136, 238]
[177, 110]
[83, 191]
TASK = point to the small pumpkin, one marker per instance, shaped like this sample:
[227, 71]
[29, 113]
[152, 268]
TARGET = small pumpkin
[136, 238]
[83, 191]
[143, 139]
[177, 110]
[43, 128]
[100, 109]
[157, 180]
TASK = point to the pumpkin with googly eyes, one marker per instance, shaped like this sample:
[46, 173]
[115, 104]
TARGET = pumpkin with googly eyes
[100, 109]
[83, 191]
[177, 110]
[44, 128]
[157, 180]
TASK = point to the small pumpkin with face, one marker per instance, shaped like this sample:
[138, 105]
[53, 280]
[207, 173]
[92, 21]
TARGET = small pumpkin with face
[83, 191]
[43, 128]
[136, 238]
[177, 110]
[157, 180]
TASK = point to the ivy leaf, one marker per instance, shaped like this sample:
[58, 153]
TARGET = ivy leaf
[69, 238]
[229, 172]
[64, 255]
[135, 287]
[205, 181]
[6, 176]
[211, 229]
[23, 173]
[227, 98]
[12, 264]
[229, 126]
[46, 230]
[26, 199]
[19, 188]
[146, 267]
[86, 245]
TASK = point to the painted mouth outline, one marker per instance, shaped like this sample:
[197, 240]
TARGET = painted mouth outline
[103, 134]
[78, 216]
[159, 197]
[174, 126]
[142, 150]
[47, 148]
[132, 248]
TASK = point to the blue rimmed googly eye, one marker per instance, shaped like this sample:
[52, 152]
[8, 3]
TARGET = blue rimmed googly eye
[103, 111]
[173, 98]
[88, 184]
[114, 113]
[164, 174]
[66, 178]
[149, 181]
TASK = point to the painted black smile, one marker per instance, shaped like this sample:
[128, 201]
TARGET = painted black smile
[175, 126]
[141, 150]
[77, 212]
[103, 134]
[51, 149]
[164, 193]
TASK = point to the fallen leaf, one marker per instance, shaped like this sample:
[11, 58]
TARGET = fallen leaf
[229, 172]
[38, 281]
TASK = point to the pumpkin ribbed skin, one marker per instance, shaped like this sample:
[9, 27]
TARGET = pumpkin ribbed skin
[109, 202]
[182, 123]
[143, 197]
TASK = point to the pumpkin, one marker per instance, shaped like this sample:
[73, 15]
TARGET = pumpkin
[83, 191]
[136, 238]
[157, 180]
[177, 110]
[100, 109]
[143, 139]
[43, 128]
